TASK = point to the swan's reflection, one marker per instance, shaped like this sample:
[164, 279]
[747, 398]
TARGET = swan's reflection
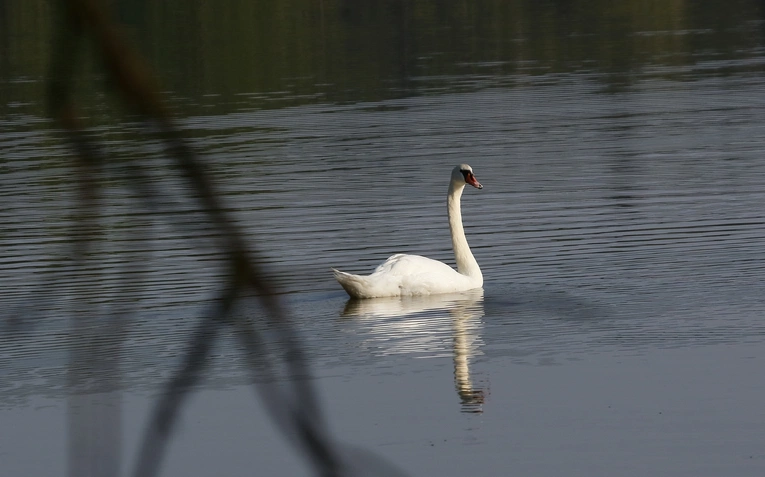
[422, 325]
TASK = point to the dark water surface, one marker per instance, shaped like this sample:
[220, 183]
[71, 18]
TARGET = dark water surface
[620, 232]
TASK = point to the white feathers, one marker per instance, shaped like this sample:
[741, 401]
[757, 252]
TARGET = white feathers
[407, 275]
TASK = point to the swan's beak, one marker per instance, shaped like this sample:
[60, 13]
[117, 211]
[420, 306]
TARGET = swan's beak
[470, 179]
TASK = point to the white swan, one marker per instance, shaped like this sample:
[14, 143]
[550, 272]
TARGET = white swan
[406, 275]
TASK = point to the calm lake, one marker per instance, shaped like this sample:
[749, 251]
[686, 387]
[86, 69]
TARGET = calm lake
[620, 232]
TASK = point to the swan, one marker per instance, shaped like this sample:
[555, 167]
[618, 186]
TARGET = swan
[411, 275]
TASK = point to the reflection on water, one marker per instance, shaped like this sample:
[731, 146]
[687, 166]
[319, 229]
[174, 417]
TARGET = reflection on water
[421, 326]
[255, 54]
[622, 145]
[466, 321]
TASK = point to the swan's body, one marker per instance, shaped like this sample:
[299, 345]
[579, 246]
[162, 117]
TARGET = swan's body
[406, 275]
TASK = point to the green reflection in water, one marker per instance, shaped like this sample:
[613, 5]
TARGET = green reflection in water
[216, 58]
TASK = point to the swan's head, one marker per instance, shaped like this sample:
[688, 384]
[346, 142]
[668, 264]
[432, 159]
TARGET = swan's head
[463, 174]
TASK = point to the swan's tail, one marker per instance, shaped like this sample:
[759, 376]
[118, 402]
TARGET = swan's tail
[353, 284]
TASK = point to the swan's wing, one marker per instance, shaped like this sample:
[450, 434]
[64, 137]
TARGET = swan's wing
[402, 275]
[404, 265]
[416, 275]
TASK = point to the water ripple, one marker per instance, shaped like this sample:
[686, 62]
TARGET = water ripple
[608, 223]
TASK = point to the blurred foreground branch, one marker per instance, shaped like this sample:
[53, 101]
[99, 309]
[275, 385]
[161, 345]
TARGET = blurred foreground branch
[94, 449]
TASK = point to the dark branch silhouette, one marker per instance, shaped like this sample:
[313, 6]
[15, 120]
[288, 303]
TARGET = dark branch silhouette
[293, 406]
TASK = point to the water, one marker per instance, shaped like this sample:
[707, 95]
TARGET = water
[619, 231]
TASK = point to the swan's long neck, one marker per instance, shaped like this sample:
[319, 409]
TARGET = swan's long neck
[466, 263]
